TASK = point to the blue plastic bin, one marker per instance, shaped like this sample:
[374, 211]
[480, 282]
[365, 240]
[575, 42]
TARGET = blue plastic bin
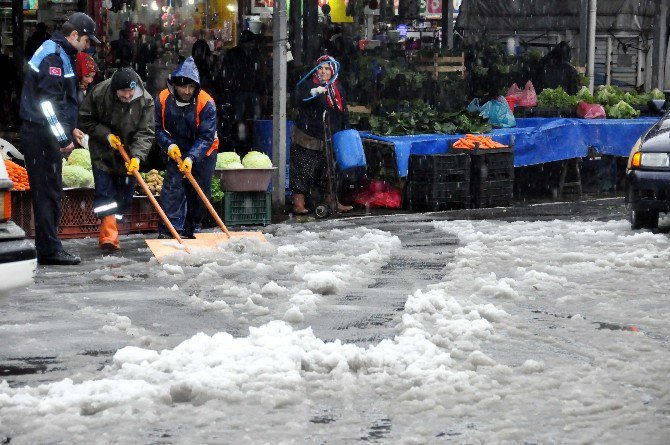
[348, 149]
[263, 140]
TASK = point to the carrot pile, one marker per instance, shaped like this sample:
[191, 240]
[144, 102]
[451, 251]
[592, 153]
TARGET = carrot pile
[468, 142]
[18, 175]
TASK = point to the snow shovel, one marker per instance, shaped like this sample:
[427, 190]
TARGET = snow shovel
[161, 248]
[216, 237]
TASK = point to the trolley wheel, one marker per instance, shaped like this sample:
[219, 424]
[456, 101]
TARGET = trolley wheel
[323, 211]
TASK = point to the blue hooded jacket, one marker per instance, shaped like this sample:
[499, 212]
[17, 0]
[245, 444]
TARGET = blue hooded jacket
[180, 123]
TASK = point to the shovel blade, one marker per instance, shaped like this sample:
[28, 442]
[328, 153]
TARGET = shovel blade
[222, 237]
[162, 248]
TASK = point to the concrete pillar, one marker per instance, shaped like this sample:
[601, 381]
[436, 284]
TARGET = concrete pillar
[590, 64]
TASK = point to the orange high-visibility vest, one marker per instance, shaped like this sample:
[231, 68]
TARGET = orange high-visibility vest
[202, 100]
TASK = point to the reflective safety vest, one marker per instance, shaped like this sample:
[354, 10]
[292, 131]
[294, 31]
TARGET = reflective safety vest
[202, 100]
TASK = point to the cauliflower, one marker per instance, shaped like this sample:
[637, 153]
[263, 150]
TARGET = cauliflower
[256, 159]
[80, 157]
[225, 158]
[77, 177]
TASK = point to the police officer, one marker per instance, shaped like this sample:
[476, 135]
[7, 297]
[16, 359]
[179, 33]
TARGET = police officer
[49, 113]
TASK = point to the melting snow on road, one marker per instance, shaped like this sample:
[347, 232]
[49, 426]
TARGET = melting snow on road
[543, 332]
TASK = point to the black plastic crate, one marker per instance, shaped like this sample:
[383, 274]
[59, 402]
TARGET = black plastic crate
[438, 195]
[452, 167]
[381, 160]
[496, 193]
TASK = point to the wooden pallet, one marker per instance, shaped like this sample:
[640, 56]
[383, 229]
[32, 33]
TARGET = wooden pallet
[437, 65]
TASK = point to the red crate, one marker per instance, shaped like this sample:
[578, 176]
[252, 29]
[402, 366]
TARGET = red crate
[78, 220]
[141, 217]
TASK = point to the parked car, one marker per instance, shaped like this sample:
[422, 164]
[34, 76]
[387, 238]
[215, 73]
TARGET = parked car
[18, 259]
[648, 176]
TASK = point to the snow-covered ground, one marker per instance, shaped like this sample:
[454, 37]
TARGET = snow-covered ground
[538, 332]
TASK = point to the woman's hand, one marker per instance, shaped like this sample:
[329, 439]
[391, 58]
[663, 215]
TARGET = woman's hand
[78, 136]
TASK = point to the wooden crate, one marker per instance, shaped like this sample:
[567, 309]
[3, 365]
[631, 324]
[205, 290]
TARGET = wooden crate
[437, 65]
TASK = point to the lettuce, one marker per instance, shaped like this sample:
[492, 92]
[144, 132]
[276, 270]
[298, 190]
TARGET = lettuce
[256, 159]
[81, 158]
[657, 94]
[226, 157]
[77, 177]
[621, 110]
[585, 95]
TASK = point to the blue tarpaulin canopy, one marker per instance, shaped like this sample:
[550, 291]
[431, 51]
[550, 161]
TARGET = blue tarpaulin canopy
[535, 140]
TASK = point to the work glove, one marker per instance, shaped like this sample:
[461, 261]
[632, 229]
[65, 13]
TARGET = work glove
[133, 165]
[173, 152]
[318, 90]
[186, 166]
[114, 141]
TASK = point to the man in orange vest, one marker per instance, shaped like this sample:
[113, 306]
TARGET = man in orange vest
[185, 119]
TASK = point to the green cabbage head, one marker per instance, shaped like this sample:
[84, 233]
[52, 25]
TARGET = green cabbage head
[233, 166]
[77, 177]
[80, 157]
[225, 158]
[256, 159]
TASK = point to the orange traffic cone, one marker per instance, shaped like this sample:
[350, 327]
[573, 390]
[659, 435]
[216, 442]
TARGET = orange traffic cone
[109, 234]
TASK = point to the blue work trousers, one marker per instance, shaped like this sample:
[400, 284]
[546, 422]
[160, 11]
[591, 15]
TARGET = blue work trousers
[113, 193]
[180, 201]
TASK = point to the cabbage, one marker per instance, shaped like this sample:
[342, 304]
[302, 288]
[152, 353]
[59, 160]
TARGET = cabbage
[80, 157]
[608, 95]
[226, 157]
[77, 177]
[232, 166]
[256, 159]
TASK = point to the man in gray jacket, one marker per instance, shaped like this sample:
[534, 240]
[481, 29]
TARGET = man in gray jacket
[118, 111]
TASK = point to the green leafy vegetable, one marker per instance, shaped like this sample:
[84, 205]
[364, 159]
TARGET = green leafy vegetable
[77, 177]
[557, 98]
[621, 110]
[217, 192]
[80, 157]
[226, 157]
[256, 159]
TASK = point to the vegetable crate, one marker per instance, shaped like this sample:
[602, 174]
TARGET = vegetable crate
[492, 177]
[141, 217]
[77, 217]
[247, 208]
[438, 182]
[381, 160]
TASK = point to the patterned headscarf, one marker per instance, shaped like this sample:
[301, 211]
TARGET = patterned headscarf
[333, 97]
[84, 65]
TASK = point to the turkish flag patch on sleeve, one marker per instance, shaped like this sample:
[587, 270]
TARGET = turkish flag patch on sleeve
[54, 71]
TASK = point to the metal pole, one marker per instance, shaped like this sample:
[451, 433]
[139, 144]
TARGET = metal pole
[590, 64]
[662, 40]
[608, 62]
[583, 31]
[447, 24]
[279, 30]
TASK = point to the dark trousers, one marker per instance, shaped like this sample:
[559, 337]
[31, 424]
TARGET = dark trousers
[44, 163]
[113, 193]
[180, 201]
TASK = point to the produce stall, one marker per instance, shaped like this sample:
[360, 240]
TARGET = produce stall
[535, 140]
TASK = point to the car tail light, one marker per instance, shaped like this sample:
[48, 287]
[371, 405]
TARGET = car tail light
[636, 160]
[6, 205]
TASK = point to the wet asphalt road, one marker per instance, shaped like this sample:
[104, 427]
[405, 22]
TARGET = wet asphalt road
[62, 314]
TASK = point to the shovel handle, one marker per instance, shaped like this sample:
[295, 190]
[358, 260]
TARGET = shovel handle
[150, 195]
[204, 199]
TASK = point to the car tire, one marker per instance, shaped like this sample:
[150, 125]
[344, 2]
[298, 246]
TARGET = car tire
[643, 219]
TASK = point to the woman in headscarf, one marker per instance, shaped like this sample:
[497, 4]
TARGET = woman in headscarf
[85, 69]
[315, 94]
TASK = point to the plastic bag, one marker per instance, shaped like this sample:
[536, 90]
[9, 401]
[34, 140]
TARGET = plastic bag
[514, 91]
[527, 97]
[590, 111]
[474, 107]
[498, 113]
[379, 194]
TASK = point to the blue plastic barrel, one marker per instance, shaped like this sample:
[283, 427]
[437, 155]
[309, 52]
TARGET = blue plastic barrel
[348, 149]
[263, 139]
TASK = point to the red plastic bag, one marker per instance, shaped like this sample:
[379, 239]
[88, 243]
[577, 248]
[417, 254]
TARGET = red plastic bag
[590, 111]
[379, 194]
[527, 97]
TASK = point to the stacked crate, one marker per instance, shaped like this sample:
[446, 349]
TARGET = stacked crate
[246, 208]
[492, 177]
[438, 182]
